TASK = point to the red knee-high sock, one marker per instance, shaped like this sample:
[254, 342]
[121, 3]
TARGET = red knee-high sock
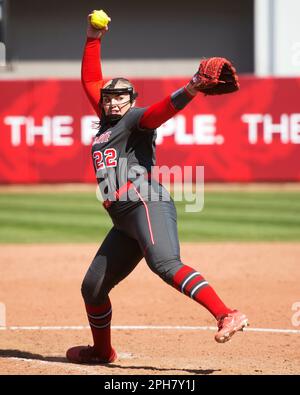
[99, 319]
[192, 284]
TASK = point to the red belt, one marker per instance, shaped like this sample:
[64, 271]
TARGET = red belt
[121, 191]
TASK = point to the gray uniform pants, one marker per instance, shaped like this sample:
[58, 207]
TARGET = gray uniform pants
[149, 230]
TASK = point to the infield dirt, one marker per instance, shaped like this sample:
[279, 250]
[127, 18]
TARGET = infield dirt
[40, 286]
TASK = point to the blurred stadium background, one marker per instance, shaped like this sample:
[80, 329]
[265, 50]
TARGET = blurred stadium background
[249, 138]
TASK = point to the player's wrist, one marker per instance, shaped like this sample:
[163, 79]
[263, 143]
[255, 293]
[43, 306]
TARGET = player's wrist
[95, 35]
[181, 98]
[191, 90]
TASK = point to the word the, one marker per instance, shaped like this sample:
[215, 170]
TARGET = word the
[261, 126]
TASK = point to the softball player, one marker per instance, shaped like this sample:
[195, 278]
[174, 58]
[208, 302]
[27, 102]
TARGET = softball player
[143, 214]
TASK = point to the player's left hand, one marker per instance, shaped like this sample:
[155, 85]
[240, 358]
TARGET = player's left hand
[215, 76]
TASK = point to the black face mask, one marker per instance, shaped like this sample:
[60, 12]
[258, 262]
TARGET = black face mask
[113, 119]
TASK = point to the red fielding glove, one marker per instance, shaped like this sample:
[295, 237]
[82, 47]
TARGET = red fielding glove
[215, 76]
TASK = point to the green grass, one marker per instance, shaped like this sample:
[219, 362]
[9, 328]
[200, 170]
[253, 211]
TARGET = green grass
[79, 217]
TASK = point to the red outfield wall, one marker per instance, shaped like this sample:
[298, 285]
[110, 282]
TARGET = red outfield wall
[252, 135]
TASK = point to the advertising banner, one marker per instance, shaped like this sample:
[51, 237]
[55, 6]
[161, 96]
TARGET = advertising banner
[47, 127]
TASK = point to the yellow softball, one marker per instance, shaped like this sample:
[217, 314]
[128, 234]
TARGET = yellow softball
[99, 19]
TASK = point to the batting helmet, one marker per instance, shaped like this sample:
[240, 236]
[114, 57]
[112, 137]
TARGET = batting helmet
[119, 86]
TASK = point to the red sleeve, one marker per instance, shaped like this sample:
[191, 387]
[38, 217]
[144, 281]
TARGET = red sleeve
[158, 113]
[91, 72]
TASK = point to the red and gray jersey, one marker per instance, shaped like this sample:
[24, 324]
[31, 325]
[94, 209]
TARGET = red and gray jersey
[123, 151]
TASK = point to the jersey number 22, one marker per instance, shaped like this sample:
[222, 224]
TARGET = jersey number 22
[107, 159]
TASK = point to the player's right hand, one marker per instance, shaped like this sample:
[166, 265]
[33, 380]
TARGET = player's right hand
[91, 32]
